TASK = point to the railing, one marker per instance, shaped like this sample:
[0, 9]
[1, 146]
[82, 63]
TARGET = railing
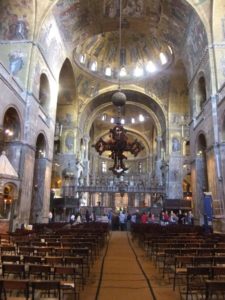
[117, 189]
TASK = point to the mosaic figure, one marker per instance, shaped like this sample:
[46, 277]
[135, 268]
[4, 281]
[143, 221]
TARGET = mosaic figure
[15, 63]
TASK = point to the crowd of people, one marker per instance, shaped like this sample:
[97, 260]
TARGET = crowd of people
[123, 220]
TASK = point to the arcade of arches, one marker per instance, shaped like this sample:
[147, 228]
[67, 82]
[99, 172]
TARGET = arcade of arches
[61, 61]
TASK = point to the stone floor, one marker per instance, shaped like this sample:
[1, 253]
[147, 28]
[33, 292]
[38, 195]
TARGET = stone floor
[122, 277]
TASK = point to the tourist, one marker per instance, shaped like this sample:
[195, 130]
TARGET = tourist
[144, 218]
[166, 217]
[50, 217]
[133, 218]
[115, 222]
[72, 218]
[138, 217]
[78, 218]
[122, 219]
[128, 221]
[87, 216]
[173, 217]
[180, 216]
[190, 218]
[151, 218]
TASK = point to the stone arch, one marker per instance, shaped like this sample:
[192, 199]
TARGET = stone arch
[11, 137]
[104, 99]
[66, 113]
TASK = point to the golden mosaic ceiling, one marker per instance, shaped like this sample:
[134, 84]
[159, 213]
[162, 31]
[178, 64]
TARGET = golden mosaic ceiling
[139, 55]
[149, 27]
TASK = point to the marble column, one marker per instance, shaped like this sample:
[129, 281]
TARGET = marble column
[159, 160]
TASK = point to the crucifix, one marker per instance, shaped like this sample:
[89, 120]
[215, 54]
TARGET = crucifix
[118, 144]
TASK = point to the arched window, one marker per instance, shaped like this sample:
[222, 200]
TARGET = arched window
[202, 91]
[6, 201]
[11, 125]
[187, 148]
[201, 95]
[40, 146]
[44, 92]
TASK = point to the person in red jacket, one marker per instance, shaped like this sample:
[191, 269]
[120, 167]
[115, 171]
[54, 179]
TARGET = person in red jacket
[144, 218]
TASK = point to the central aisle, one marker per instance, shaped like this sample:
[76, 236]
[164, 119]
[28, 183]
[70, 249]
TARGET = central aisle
[122, 276]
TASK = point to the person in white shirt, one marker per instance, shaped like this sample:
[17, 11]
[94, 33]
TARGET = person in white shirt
[122, 218]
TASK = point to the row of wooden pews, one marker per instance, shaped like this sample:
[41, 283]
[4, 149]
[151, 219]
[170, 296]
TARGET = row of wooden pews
[186, 257]
[59, 256]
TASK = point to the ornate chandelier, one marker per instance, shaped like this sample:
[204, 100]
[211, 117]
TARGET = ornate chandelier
[117, 145]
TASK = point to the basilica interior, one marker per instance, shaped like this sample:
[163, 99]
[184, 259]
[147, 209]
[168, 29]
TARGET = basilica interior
[109, 104]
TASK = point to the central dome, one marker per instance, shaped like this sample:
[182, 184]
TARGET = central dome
[139, 56]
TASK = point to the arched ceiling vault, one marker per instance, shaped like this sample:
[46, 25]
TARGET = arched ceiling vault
[141, 101]
[148, 27]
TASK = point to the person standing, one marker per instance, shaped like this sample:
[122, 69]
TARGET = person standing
[122, 218]
[72, 218]
[128, 221]
[87, 216]
[50, 217]
[144, 218]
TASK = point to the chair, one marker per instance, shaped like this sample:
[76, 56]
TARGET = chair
[62, 251]
[54, 260]
[78, 263]
[43, 251]
[196, 277]
[168, 261]
[17, 270]
[26, 250]
[215, 288]
[84, 253]
[8, 249]
[203, 260]
[67, 276]
[46, 289]
[218, 272]
[32, 259]
[219, 260]
[14, 288]
[180, 267]
[39, 271]
[10, 258]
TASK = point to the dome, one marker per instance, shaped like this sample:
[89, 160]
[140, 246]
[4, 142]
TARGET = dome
[140, 56]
